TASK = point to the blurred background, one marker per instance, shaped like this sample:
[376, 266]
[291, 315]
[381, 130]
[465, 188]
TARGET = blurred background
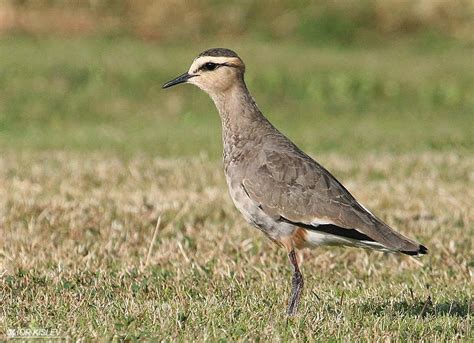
[393, 75]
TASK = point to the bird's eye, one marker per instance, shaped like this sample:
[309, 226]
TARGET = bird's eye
[210, 66]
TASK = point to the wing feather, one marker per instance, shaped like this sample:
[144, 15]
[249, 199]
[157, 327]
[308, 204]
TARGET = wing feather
[288, 182]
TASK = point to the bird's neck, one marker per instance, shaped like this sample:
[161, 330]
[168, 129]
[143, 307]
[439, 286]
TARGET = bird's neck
[239, 113]
[243, 125]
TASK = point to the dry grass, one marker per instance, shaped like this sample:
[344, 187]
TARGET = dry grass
[181, 19]
[77, 230]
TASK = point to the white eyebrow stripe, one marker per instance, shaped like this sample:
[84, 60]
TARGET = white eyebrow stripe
[198, 62]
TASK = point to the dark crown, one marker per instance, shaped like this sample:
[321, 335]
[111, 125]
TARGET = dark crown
[218, 52]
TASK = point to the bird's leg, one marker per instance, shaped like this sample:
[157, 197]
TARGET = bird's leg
[297, 284]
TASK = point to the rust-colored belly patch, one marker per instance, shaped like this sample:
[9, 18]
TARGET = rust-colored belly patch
[297, 240]
[300, 238]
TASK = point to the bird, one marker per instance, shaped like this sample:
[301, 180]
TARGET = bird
[276, 186]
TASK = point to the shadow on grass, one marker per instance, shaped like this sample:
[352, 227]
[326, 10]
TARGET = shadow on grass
[454, 308]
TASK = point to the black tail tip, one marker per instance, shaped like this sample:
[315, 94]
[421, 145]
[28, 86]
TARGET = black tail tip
[422, 250]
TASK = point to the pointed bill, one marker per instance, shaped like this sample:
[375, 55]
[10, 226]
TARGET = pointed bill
[180, 79]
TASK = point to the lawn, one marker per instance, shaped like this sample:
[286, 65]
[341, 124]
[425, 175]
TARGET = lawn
[93, 153]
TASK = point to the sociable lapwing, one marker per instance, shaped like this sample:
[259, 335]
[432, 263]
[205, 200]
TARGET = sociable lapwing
[277, 187]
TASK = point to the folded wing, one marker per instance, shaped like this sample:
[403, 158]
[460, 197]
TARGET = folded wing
[290, 185]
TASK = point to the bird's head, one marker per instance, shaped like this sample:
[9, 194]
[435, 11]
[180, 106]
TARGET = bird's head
[214, 71]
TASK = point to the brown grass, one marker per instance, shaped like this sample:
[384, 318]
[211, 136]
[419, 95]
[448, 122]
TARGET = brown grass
[83, 223]
[180, 19]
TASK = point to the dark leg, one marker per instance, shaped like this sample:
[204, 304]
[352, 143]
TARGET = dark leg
[297, 284]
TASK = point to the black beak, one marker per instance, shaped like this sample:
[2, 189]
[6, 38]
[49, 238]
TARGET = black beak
[180, 79]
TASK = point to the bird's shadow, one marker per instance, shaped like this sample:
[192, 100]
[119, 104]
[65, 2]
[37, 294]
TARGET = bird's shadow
[454, 308]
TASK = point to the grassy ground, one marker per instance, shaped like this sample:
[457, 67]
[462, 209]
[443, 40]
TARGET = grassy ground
[93, 153]
[106, 95]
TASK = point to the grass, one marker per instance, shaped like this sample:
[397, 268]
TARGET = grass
[96, 94]
[349, 22]
[78, 229]
[93, 153]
